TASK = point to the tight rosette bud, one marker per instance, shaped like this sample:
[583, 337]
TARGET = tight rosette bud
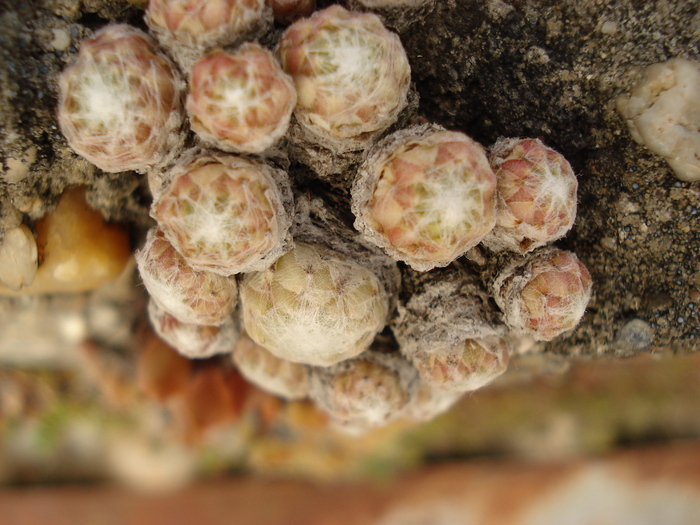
[365, 392]
[194, 341]
[463, 367]
[351, 75]
[225, 214]
[120, 103]
[189, 27]
[277, 376]
[189, 295]
[313, 306]
[545, 295]
[536, 200]
[426, 195]
[240, 101]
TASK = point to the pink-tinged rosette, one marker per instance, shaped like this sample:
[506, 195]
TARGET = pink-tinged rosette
[240, 101]
[367, 391]
[277, 376]
[426, 195]
[189, 27]
[189, 295]
[544, 295]
[120, 102]
[462, 367]
[225, 214]
[351, 75]
[536, 200]
[194, 341]
[314, 306]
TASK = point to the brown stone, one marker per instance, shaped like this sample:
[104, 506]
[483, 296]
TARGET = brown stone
[78, 251]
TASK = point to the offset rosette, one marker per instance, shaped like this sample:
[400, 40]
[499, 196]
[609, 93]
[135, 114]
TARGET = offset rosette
[225, 214]
[365, 392]
[188, 27]
[240, 101]
[313, 306]
[194, 341]
[536, 200]
[189, 295]
[426, 195]
[545, 295]
[351, 75]
[277, 376]
[120, 102]
[462, 367]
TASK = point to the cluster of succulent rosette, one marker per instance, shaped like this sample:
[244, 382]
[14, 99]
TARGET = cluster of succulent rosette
[237, 264]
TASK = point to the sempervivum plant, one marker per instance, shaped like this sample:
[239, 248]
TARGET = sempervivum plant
[195, 341]
[463, 367]
[426, 195]
[277, 376]
[189, 295]
[544, 295]
[313, 306]
[188, 27]
[351, 75]
[367, 391]
[240, 101]
[223, 213]
[536, 202]
[120, 102]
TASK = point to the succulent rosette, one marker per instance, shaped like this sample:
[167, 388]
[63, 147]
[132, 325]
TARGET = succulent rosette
[313, 306]
[426, 195]
[364, 392]
[277, 376]
[223, 213]
[240, 101]
[189, 27]
[462, 367]
[120, 102]
[194, 341]
[189, 295]
[544, 295]
[536, 200]
[351, 75]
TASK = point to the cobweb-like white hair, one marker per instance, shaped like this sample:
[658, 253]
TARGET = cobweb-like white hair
[365, 392]
[120, 102]
[277, 376]
[240, 101]
[189, 295]
[462, 367]
[313, 306]
[536, 199]
[351, 74]
[223, 213]
[193, 341]
[425, 195]
[545, 294]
